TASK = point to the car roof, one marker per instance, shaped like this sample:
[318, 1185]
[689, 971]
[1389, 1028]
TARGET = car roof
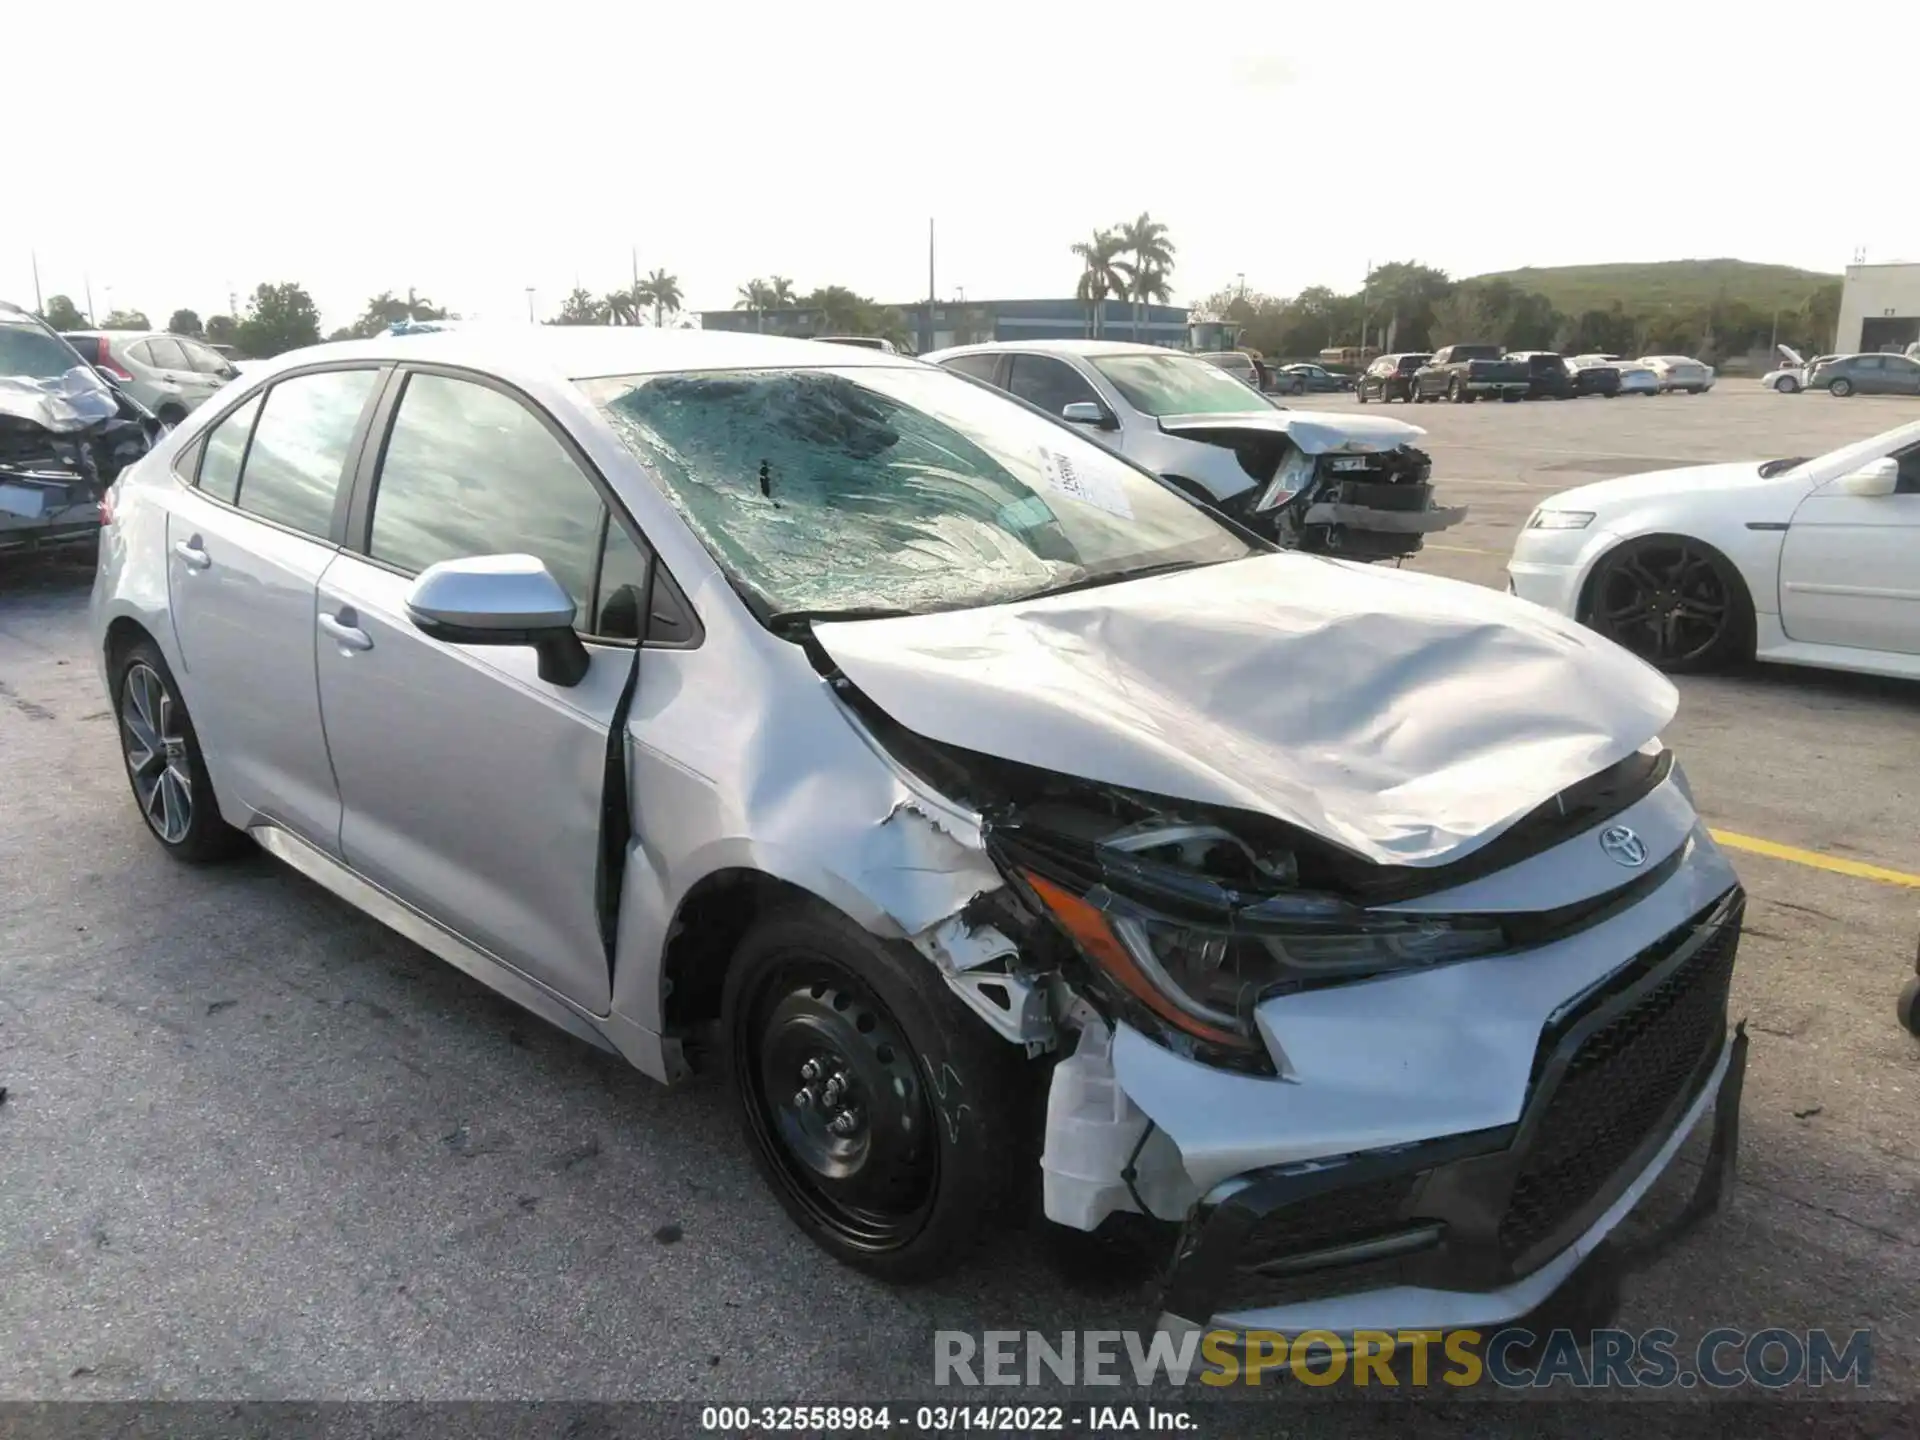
[579, 352]
[1065, 347]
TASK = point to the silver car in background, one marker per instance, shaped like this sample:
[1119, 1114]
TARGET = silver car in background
[169, 374]
[991, 815]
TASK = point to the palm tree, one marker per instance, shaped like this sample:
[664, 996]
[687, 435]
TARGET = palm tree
[780, 293]
[1100, 275]
[1145, 240]
[757, 296]
[662, 291]
[622, 306]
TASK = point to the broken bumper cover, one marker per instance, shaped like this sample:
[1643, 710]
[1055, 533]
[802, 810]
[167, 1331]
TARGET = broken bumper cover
[1479, 1229]
[1396, 522]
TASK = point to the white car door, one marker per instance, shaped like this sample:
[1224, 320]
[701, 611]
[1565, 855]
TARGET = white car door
[1850, 569]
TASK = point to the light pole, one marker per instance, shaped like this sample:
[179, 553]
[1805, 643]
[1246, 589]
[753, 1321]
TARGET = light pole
[530, 319]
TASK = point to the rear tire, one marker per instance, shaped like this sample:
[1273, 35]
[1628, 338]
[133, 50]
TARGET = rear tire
[938, 1128]
[165, 766]
[1906, 1005]
[1361, 395]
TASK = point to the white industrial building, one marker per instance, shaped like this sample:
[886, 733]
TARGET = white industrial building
[1879, 309]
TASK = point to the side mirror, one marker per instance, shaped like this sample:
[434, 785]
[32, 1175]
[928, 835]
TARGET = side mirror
[1085, 412]
[113, 380]
[501, 600]
[1876, 477]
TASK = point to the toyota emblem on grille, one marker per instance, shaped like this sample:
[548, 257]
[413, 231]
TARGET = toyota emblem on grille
[1623, 847]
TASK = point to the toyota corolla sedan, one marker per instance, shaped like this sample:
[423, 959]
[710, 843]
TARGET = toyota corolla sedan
[990, 814]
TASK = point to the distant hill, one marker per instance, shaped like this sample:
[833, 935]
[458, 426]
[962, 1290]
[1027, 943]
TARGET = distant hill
[1574, 288]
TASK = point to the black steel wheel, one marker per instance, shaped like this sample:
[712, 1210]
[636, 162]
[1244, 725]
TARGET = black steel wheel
[1674, 602]
[885, 1116]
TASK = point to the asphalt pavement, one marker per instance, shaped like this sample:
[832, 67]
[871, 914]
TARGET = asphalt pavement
[256, 1146]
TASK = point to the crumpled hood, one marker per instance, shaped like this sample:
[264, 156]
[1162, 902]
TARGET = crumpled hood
[77, 400]
[1316, 432]
[1404, 717]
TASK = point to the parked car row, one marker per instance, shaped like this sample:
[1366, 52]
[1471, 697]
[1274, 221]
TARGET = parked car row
[990, 816]
[1465, 373]
[1298, 378]
[1874, 373]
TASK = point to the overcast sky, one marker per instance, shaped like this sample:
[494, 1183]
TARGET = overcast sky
[174, 152]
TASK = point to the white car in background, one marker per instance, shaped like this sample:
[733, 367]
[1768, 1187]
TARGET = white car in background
[1791, 377]
[1802, 561]
[1636, 376]
[1333, 482]
[1680, 372]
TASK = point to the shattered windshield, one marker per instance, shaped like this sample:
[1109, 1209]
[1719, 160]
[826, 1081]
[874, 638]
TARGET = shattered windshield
[879, 489]
[1174, 384]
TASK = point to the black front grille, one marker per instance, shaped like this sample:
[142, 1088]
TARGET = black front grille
[1624, 1078]
[1336, 1217]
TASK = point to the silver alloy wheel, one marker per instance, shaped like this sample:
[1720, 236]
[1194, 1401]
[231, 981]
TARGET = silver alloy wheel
[156, 753]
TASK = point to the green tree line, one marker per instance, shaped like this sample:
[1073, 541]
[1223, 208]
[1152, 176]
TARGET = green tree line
[1409, 306]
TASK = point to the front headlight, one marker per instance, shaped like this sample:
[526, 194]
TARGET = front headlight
[1544, 519]
[1206, 980]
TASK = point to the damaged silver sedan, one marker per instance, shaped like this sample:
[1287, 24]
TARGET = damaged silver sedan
[996, 819]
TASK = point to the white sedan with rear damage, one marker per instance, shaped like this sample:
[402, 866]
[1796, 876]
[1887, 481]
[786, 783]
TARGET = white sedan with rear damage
[1329, 482]
[1802, 561]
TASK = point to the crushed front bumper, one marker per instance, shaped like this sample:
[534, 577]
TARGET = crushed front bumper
[1480, 1229]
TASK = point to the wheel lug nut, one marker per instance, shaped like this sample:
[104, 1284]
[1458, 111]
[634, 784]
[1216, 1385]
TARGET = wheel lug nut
[810, 1070]
[831, 1096]
[803, 1099]
[843, 1123]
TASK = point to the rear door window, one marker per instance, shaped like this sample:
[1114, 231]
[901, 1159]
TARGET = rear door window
[981, 367]
[166, 354]
[300, 447]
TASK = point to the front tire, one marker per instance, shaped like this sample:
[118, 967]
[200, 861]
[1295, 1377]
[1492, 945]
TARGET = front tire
[165, 765]
[1840, 388]
[1676, 603]
[1787, 385]
[891, 1124]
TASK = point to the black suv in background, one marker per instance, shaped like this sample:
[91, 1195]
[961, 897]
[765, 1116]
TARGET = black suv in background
[1547, 375]
[1389, 378]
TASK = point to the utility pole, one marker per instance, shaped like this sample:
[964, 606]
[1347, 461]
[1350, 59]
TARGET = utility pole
[927, 343]
[86, 280]
[530, 319]
[37, 305]
[1366, 303]
[633, 255]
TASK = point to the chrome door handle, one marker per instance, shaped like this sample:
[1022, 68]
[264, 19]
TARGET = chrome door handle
[190, 551]
[341, 628]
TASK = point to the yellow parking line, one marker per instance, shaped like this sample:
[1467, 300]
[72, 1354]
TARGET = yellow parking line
[1858, 869]
[1462, 549]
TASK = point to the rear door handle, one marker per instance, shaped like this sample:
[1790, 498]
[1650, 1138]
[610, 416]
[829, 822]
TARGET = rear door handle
[345, 628]
[190, 551]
